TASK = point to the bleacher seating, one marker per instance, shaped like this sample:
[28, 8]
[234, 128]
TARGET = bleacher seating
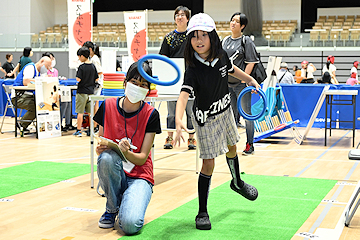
[111, 34]
[336, 31]
[279, 32]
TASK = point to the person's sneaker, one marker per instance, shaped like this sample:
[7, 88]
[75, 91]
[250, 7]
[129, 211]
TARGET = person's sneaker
[107, 220]
[239, 125]
[168, 143]
[71, 127]
[191, 143]
[77, 133]
[96, 129]
[247, 191]
[64, 129]
[249, 149]
[202, 221]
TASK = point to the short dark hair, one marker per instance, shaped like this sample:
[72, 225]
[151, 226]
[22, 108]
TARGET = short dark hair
[48, 54]
[215, 48]
[26, 51]
[133, 72]
[184, 9]
[93, 46]
[83, 51]
[243, 19]
[8, 56]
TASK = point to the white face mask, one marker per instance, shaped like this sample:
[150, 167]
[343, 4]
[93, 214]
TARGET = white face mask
[53, 63]
[134, 93]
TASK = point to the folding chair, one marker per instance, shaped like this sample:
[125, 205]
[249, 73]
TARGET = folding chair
[8, 104]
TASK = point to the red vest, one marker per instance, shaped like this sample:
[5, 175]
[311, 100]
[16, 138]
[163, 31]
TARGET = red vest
[114, 128]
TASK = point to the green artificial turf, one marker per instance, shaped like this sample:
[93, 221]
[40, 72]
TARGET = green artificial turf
[283, 205]
[29, 176]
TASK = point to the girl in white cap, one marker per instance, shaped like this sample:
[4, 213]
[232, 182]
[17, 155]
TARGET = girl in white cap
[206, 76]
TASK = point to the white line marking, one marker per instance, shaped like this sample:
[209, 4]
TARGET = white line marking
[79, 209]
[6, 200]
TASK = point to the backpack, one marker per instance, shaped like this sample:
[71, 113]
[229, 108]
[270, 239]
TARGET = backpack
[258, 72]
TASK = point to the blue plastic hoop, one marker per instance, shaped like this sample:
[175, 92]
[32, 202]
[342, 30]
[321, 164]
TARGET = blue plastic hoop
[241, 111]
[155, 80]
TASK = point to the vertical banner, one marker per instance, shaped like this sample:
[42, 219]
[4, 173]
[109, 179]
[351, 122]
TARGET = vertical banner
[136, 34]
[47, 107]
[80, 27]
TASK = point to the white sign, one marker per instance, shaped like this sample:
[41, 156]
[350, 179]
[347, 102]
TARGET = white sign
[126, 63]
[166, 72]
[79, 27]
[65, 94]
[47, 107]
[136, 33]
[108, 59]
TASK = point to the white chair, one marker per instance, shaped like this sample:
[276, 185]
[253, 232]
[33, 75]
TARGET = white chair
[8, 104]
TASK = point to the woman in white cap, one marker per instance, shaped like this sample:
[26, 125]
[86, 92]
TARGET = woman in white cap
[207, 77]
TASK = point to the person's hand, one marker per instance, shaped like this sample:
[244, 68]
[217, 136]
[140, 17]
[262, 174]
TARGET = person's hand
[101, 148]
[178, 135]
[254, 83]
[124, 145]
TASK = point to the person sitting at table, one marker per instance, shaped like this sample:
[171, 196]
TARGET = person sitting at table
[26, 100]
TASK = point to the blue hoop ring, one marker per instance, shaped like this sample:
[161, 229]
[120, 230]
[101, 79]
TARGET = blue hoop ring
[241, 111]
[154, 80]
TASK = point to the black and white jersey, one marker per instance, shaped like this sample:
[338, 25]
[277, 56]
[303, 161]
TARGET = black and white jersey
[209, 82]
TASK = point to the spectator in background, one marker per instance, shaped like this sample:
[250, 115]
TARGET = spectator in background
[24, 59]
[284, 76]
[27, 101]
[86, 76]
[8, 67]
[297, 73]
[307, 70]
[118, 66]
[173, 47]
[241, 51]
[352, 80]
[95, 59]
[330, 67]
[52, 72]
[354, 69]
[325, 79]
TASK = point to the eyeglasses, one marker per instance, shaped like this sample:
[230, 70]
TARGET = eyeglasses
[180, 15]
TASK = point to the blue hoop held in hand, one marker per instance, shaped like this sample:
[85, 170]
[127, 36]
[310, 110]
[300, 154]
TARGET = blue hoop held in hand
[156, 80]
[241, 111]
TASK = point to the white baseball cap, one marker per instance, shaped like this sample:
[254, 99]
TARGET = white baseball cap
[201, 21]
[283, 65]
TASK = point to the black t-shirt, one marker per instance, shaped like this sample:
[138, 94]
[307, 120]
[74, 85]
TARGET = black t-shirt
[8, 67]
[209, 82]
[173, 45]
[153, 125]
[88, 74]
[235, 49]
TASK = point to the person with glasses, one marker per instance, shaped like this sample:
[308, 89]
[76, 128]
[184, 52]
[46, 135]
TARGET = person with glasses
[173, 46]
